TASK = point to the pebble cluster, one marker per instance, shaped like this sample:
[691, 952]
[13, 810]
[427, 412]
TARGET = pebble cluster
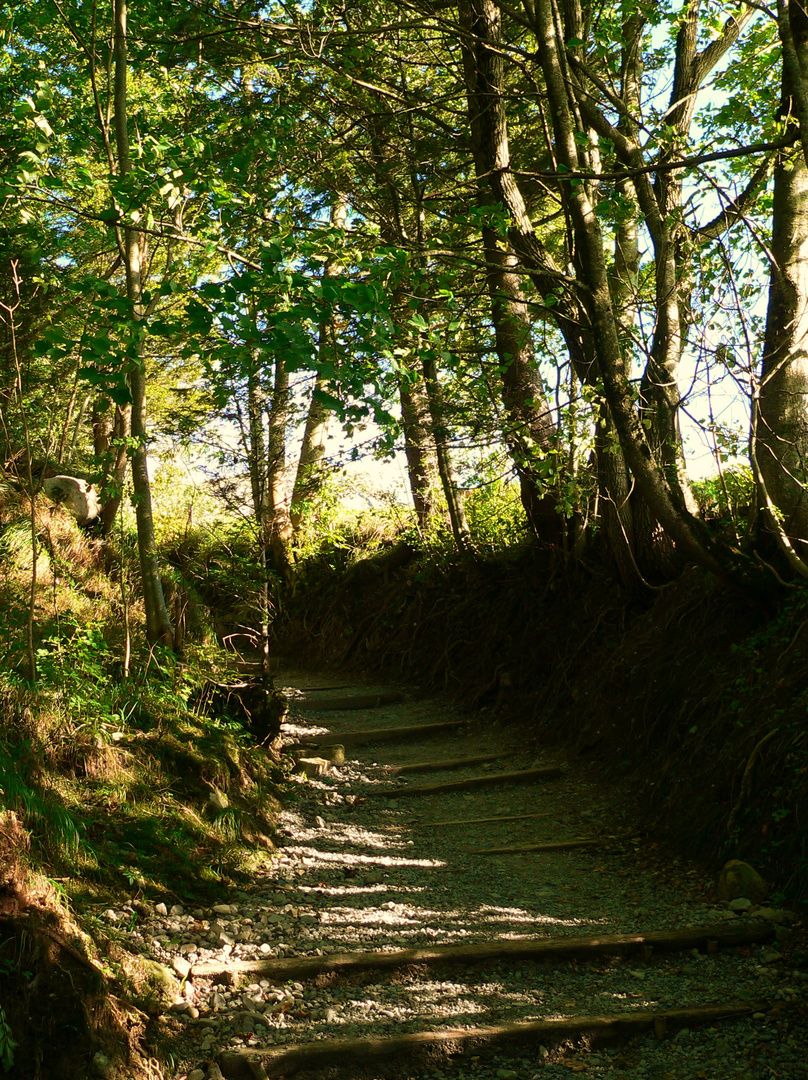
[357, 872]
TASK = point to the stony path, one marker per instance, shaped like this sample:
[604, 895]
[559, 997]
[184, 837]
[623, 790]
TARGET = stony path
[362, 869]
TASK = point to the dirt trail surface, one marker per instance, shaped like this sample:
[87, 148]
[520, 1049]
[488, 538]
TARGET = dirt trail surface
[396, 934]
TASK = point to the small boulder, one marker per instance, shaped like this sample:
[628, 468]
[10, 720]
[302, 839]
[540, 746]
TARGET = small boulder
[76, 495]
[773, 915]
[313, 766]
[738, 879]
[742, 903]
[334, 753]
[181, 966]
[156, 985]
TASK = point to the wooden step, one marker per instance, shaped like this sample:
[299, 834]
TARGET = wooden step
[309, 967]
[288, 1060]
[552, 845]
[349, 703]
[524, 776]
[303, 690]
[476, 820]
[377, 735]
[445, 764]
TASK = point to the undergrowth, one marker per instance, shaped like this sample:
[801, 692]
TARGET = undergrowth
[118, 784]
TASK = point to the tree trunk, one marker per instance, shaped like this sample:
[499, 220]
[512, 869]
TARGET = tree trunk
[110, 435]
[782, 422]
[440, 435]
[277, 495]
[419, 447]
[531, 430]
[257, 467]
[531, 433]
[158, 623]
[309, 477]
[654, 485]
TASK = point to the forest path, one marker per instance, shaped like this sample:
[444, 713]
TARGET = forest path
[397, 933]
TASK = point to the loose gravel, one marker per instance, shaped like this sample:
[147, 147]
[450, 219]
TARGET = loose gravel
[356, 872]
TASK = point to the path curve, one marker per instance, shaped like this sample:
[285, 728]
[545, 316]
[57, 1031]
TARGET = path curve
[573, 919]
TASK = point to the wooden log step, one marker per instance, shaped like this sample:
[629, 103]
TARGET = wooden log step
[303, 690]
[446, 763]
[555, 845]
[479, 820]
[524, 776]
[350, 703]
[309, 967]
[377, 735]
[288, 1060]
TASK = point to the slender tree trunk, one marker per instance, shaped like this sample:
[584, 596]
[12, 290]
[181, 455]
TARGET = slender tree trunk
[110, 440]
[419, 447]
[531, 433]
[309, 476]
[158, 622]
[8, 313]
[782, 422]
[77, 426]
[71, 404]
[257, 468]
[277, 495]
[440, 435]
[484, 74]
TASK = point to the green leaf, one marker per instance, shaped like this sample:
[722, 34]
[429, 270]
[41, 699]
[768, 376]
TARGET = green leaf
[329, 401]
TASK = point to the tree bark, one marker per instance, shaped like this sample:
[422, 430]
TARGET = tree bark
[277, 494]
[440, 435]
[531, 433]
[158, 622]
[110, 442]
[664, 502]
[419, 447]
[309, 476]
[484, 75]
[782, 422]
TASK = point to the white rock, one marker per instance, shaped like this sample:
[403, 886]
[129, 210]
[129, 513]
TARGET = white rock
[177, 909]
[76, 495]
[181, 966]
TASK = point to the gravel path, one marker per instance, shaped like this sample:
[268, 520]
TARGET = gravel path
[360, 872]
